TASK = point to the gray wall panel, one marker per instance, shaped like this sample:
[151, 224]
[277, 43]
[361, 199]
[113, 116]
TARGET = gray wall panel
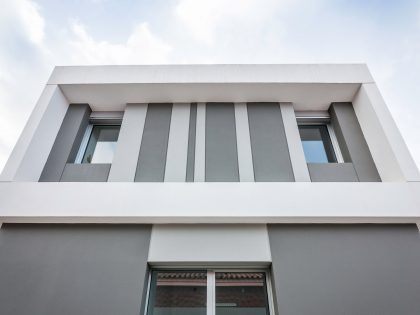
[270, 151]
[154, 145]
[67, 142]
[332, 172]
[346, 269]
[85, 172]
[221, 148]
[352, 142]
[191, 143]
[73, 269]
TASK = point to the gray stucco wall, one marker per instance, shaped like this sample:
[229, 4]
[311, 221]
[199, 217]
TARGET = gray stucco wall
[85, 172]
[346, 269]
[352, 142]
[332, 172]
[67, 142]
[270, 152]
[73, 269]
[221, 148]
[154, 145]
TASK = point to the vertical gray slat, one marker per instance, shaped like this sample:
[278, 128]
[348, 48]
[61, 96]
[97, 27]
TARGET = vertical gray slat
[49, 269]
[352, 142]
[221, 147]
[269, 146]
[154, 144]
[67, 142]
[191, 144]
[327, 269]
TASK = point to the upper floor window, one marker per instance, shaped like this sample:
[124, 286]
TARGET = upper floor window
[318, 140]
[99, 142]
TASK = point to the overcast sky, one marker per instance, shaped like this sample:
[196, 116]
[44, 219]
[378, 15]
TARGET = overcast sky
[36, 35]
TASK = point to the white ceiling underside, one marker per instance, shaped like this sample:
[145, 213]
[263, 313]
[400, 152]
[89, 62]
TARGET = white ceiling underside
[304, 96]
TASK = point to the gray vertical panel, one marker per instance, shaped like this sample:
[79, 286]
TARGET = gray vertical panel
[85, 172]
[154, 144]
[124, 164]
[270, 151]
[346, 269]
[352, 143]
[176, 158]
[221, 148]
[191, 143]
[73, 269]
[67, 142]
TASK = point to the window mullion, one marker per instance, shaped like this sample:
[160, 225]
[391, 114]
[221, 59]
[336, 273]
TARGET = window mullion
[211, 292]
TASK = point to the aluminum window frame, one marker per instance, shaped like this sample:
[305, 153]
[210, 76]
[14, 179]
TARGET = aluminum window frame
[321, 119]
[211, 284]
[97, 119]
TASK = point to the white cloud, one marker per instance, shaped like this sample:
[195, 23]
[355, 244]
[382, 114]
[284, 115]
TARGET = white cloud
[142, 46]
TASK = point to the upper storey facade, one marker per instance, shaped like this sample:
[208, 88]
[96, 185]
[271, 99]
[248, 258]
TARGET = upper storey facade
[281, 126]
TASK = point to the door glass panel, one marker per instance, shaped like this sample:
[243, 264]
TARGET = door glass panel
[241, 293]
[317, 144]
[101, 145]
[178, 293]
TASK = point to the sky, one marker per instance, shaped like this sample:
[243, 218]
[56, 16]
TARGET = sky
[36, 35]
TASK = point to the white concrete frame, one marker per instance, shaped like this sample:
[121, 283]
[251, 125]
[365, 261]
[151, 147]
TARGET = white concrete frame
[307, 87]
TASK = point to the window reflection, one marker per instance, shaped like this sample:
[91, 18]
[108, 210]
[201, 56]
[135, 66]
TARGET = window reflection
[241, 293]
[101, 145]
[178, 293]
[317, 144]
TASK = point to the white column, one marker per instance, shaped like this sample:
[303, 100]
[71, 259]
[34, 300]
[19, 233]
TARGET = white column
[297, 156]
[200, 144]
[34, 145]
[176, 157]
[388, 149]
[243, 140]
[211, 292]
[124, 164]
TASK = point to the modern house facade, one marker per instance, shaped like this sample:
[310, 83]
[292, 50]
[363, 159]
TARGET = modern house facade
[210, 189]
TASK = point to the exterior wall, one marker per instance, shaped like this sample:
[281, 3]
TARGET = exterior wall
[346, 269]
[85, 172]
[67, 142]
[73, 269]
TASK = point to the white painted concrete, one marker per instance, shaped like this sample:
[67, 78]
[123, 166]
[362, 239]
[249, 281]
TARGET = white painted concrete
[124, 165]
[176, 158]
[52, 106]
[42, 107]
[418, 225]
[268, 73]
[200, 144]
[209, 244]
[297, 156]
[389, 151]
[243, 140]
[397, 202]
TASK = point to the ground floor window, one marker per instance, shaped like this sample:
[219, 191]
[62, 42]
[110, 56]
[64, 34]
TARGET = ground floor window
[208, 292]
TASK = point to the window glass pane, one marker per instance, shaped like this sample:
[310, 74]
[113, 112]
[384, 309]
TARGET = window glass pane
[101, 145]
[178, 293]
[241, 293]
[317, 144]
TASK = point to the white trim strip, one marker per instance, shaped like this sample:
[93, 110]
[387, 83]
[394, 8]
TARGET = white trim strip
[176, 157]
[297, 156]
[211, 292]
[124, 164]
[200, 144]
[243, 140]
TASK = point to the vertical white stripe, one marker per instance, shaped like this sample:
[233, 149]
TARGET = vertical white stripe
[176, 157]
[243, 140]
[124, 164]
[200, 144]
[211, 292]
[297, 156]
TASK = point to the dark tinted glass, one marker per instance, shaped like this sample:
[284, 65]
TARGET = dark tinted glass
[317, 144]
[178, 293]
[241, 293]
